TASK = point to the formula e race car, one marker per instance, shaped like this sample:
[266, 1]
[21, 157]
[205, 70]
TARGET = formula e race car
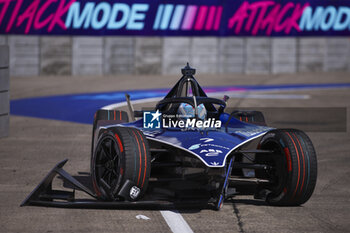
[187, 150]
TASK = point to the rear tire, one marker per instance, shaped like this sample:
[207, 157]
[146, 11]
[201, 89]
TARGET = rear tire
[106, 117]
[121, 154]
[252, 117]
[295, 163]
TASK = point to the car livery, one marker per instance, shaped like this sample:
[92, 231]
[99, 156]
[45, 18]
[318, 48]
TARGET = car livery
[187, 150]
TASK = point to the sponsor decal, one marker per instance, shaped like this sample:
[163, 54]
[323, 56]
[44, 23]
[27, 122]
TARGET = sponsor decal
[156, 120]
[176, 18]
[151, 120]
[134, 192]
[215, 145]
[207, 148]
[194, 147]
[206, 140]
[211, 152]
[191, 123]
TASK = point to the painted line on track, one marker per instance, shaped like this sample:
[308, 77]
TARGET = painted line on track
[176, 222]
[232, 94]
[122, 104]
[80, 108]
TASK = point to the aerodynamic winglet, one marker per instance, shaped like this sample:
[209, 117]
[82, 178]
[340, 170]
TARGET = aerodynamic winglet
[43, 192]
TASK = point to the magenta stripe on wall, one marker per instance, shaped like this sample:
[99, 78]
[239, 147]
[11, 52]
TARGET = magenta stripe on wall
[210, 19]
[218, 18]
[202, 13]
[189, 17]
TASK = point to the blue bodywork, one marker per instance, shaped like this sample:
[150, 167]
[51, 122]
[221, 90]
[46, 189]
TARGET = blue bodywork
[211, 146]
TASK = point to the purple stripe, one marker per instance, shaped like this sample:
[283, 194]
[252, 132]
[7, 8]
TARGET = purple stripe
[189, 18]
[177, 17]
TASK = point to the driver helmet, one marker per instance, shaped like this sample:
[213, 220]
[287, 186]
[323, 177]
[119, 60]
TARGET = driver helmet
[187, 111]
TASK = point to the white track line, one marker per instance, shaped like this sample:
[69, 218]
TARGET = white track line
[232, 94]
[246, 95]
[122, 104]
[176, 222]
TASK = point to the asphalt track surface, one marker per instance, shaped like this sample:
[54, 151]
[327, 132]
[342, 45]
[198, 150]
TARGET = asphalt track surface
[36, 145]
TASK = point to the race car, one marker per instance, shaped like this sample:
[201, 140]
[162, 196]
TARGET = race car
[187, 150]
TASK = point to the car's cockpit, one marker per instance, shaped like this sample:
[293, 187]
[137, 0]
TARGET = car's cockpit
[188, 100]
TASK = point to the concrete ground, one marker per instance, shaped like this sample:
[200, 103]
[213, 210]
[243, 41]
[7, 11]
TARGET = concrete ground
[36, 145]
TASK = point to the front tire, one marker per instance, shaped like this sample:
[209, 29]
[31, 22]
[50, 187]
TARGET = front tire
[295, 167]
[121, 154]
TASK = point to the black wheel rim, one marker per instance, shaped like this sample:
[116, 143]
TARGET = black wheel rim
[278, 174]
[107, 166]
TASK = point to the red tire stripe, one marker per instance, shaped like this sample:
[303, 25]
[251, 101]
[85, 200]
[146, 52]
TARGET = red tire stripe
[119, 142]
[289, 160]
[114, 115]
[120, 115]
[298, 163]
[302, 184]
[144, 149]
[138, 144]
[97, 190]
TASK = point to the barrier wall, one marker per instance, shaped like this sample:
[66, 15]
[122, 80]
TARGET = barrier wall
[4, 91]
[61, 55]
[220, 18]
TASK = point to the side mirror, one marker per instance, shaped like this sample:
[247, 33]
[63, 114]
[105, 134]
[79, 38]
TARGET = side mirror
[226, 98]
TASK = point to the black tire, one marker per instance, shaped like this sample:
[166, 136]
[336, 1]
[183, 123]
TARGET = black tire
[295, 163]
[128, 159]
[106, 117]
[252, 117]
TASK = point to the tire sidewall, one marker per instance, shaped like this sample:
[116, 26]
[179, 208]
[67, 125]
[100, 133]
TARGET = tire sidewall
[279, 138]
[101, 194]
